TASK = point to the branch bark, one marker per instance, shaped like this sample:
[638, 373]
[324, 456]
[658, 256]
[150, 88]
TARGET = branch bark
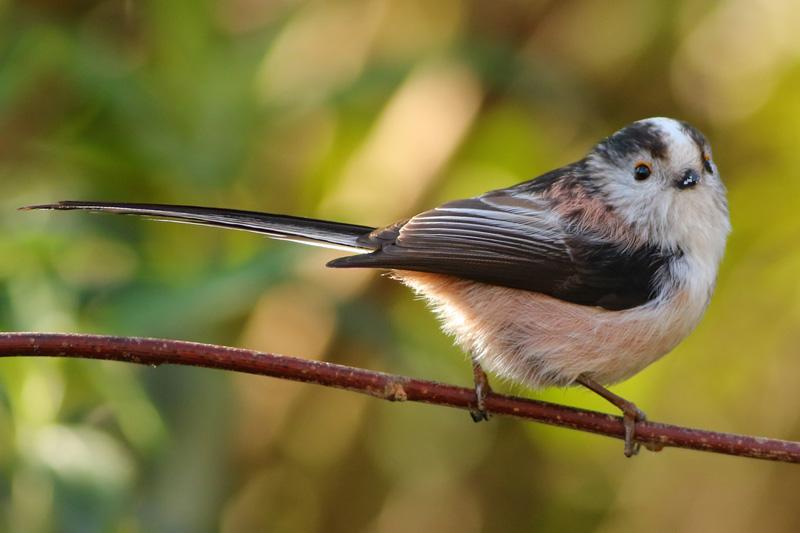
[390, 387]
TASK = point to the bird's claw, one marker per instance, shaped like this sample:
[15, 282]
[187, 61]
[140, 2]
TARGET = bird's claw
[482, 389]
[629, 419]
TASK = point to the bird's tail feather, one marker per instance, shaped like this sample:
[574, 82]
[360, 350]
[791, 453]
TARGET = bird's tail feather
[285, 227]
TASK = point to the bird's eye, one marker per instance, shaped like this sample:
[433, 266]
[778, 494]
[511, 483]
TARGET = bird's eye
[707, 163]
[642, 171]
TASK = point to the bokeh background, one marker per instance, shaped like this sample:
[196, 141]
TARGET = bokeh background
[368, 111]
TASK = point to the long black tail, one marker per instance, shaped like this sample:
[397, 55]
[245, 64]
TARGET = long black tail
[285, 227]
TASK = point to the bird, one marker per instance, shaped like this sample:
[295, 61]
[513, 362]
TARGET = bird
[584, 275]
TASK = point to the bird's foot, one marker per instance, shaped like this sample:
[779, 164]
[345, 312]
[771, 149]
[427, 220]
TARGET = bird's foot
[482, 390]
[630, 415]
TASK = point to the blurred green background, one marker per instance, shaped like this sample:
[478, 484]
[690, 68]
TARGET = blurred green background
[368, 111]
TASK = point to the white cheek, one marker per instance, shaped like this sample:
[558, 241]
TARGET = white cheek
[643, 206]
[693, 220]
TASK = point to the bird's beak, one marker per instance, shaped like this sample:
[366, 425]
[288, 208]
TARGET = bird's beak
[689, 179]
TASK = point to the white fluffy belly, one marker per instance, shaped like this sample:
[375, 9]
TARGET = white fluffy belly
[539, 341]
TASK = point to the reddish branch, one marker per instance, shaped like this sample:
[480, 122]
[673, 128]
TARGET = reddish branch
[385, 386]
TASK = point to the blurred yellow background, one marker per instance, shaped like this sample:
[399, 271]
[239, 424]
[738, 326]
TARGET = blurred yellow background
[367, 111]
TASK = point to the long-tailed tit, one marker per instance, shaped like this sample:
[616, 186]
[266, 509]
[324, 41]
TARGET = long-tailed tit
[586, 274]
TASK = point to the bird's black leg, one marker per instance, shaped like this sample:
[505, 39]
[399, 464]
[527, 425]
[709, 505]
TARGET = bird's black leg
[482, 388]
[630, 413]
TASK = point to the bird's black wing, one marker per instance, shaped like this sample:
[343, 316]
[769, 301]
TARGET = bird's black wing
[515, 241]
